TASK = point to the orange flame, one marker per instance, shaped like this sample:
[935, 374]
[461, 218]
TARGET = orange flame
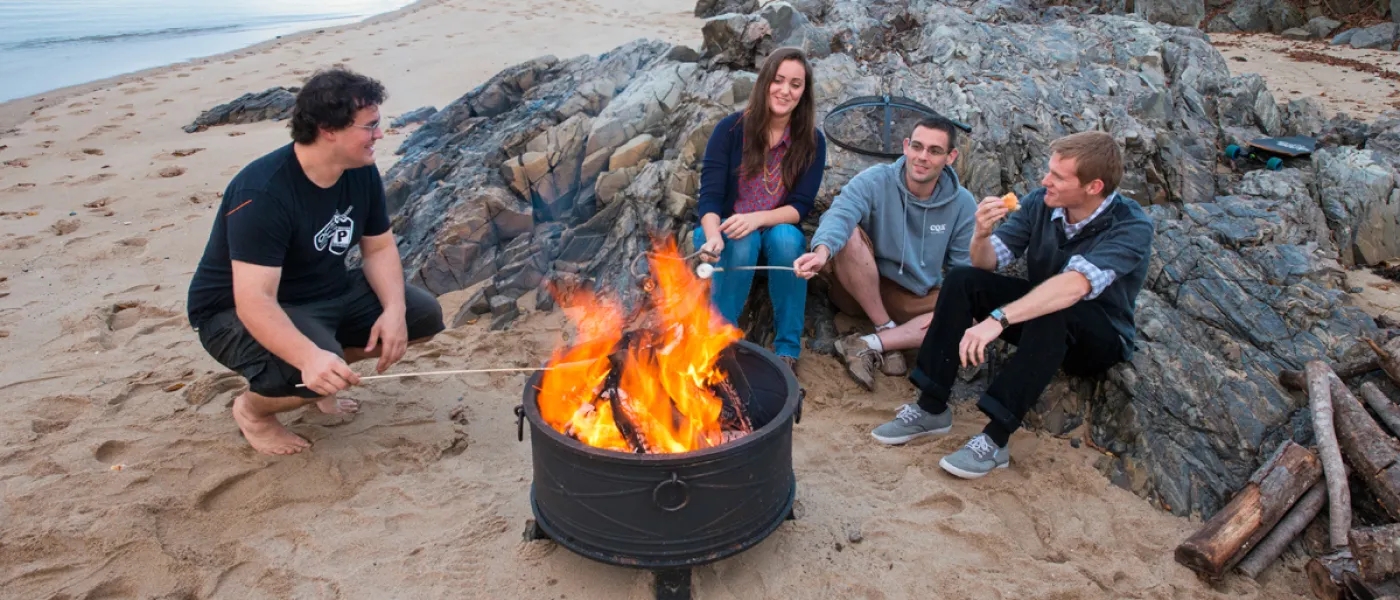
[664, 387]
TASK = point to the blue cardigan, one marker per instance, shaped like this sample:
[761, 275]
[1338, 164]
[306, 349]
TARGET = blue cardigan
[719, 172]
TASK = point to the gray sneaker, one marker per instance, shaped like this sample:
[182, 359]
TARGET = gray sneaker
[976, 459]
[913, 422]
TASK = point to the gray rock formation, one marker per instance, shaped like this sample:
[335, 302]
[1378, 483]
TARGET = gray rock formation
[1321, 27]
[417, 115]
[1344, 38]
[1257, 15]
[1186, 13]
[710, 8]
[1376, 36]
[555, 174]
[273, 103]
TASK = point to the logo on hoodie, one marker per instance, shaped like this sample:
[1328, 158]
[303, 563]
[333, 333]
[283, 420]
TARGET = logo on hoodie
[938, 228]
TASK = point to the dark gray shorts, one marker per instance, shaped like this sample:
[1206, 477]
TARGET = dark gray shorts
[333, 325]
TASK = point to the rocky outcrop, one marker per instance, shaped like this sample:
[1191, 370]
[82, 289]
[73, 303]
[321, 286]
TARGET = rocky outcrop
[1381, 36]
[271, 104]
[1186, 13]
[417, 115]
[1257, 15]
[555, 174]
[710, 8]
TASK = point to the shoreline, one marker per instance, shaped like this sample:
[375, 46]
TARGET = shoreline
[15, 112]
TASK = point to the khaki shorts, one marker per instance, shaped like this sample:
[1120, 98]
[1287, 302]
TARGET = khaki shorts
[902, 304]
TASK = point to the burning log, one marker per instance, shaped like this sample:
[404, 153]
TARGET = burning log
[1377, 551]
[1338, 494]
[732, 417]
[1385, 409]
[1297, 380]
[1264, 500]
[1283, 534]
[1370, 450]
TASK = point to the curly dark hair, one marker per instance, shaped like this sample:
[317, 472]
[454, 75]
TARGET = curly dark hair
[330, 99]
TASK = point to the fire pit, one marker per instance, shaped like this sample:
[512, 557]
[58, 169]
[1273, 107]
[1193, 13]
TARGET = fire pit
[663, 448]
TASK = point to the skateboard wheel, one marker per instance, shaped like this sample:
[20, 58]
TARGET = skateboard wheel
[1274, 164]
[1232, 151]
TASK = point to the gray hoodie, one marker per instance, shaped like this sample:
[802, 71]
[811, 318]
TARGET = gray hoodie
[914, 240]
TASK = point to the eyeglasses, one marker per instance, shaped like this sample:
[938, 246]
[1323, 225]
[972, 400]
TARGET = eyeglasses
[933, 151]
[371, 126]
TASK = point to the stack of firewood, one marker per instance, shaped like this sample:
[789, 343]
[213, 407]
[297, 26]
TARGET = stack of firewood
[1290, 490]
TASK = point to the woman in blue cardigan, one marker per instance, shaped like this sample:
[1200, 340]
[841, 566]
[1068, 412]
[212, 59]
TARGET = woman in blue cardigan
[761, 171]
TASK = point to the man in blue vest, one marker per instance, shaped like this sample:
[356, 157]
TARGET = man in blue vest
[1086, 248]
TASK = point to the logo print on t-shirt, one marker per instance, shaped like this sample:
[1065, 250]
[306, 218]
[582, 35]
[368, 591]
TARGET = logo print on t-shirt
[337, 233]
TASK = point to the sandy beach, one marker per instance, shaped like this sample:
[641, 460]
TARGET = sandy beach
[122, 474]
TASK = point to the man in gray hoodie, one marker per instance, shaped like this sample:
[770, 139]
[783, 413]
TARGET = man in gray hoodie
[885, 243]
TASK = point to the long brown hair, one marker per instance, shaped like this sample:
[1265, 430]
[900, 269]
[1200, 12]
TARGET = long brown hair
[803, 123]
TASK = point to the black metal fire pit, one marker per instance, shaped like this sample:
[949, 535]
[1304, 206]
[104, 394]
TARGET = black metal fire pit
[671, 512]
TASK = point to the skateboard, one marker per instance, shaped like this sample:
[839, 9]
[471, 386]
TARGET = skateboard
[1272, 151]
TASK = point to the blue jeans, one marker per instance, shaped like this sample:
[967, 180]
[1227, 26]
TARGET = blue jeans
[780, 245]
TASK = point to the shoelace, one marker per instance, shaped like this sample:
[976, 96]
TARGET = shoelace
[909, 413]
[981, 447]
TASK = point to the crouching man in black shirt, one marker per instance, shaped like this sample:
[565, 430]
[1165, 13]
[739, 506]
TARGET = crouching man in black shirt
[272, 298]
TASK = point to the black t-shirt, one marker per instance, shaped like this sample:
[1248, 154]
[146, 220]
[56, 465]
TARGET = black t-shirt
[273, 215]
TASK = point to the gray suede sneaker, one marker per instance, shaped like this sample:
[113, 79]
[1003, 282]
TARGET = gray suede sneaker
[911, 423]
[976, 459]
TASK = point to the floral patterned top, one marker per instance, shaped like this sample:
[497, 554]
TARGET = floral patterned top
[765, 192]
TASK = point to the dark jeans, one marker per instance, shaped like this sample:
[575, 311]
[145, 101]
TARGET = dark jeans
[332, 324]
[1080, 338]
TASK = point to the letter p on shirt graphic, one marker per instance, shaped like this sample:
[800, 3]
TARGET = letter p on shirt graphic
[337, 233]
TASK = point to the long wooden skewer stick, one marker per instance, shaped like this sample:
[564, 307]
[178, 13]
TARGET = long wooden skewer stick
[466, 371]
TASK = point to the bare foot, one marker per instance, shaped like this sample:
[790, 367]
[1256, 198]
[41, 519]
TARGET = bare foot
[332, 405]
[266, 434]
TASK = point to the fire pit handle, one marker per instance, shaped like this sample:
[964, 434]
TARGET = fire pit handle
[520, 422]
[797, 414]
[681, 492]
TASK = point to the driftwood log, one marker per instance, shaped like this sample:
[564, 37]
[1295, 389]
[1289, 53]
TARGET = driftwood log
[1336, 577]
[1298, 380]
[1283, 534]
[1377, 551]
[1327, 575]
[1372, 453]
[1273, 488]
[1389, 357]
[1382, 406]
[1320, 378]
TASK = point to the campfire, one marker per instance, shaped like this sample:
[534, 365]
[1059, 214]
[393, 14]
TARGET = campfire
[654, 389]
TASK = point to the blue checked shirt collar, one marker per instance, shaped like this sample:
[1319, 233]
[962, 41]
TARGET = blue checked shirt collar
[1072, 230]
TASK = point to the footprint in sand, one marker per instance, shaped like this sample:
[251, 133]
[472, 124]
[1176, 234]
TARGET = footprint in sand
[93, 151]
[111, 451]
[171, 171]
[205, 390]
[126, 248]
[941, 505]
[44, 119]
[19, 243]
[57, 412]
[18, 163]
[65, 226]
[92, 179]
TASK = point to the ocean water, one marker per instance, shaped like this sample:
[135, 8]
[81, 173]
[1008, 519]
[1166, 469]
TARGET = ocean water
[49, 44]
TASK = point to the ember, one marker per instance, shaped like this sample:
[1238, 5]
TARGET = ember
[655, 389]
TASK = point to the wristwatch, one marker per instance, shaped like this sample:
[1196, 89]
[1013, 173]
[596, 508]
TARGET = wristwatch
[1000, 317]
